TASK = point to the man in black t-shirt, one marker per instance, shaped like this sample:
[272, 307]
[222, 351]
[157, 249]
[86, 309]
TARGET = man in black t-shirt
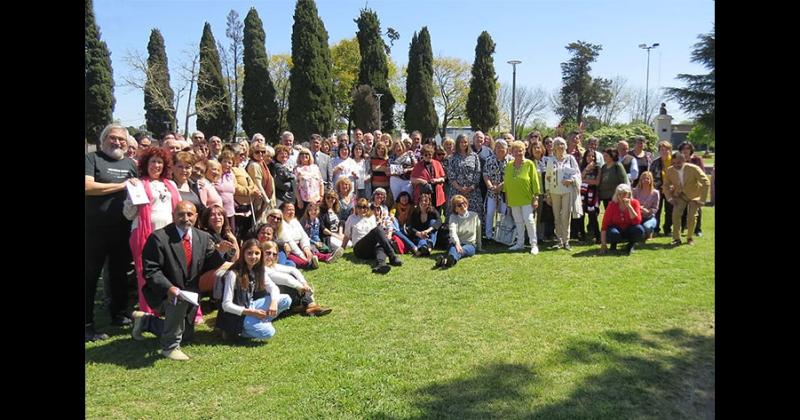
[107, 230]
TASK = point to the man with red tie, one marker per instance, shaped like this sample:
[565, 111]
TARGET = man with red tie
[173, 260]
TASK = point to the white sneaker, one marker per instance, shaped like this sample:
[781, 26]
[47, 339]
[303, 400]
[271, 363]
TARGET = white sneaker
[136, 331]
[516, 248]
[534, 250]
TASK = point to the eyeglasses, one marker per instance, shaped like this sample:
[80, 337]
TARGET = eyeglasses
[362, 207]
[259, 152]
[273, 253]
[461, 205]
[274, 217]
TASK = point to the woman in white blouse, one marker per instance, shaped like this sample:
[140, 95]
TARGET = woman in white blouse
[250, 299]
[291, 282]
[369, 239]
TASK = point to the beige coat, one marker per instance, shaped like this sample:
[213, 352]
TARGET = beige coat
[695, 183]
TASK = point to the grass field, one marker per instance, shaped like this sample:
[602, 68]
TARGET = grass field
[503, 335]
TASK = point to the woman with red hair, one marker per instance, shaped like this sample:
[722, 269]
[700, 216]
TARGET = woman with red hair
[154, 166]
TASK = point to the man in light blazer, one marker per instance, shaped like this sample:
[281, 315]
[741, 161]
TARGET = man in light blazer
[685, 184]
[320, 159]
[167, 273]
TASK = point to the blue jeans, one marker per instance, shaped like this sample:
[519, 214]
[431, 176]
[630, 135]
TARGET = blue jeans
[633, 234]
[262, 329]
[400, 234]
[649, 225]
[282, 260]
[431, 241]
[469, 250]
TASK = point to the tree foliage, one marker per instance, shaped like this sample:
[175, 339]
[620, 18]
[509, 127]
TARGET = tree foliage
[234, 33]
[346, 61]
[311, 94]
[610, 135]
[699, 97]
[530, 102]
[98, 80]
[700, 135]
[420, 111]
[451, 86]
[158, 95]
[580, 91]
[482, 98]
[215, 120]
[374, 68]
[280, 68]
[365, 108]
[259, 109]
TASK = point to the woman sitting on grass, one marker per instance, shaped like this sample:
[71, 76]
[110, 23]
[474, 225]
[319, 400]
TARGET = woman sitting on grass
[622, 220]
[291, 282]
[369, 239]
[266, 232]
[465, 233]
[250, 300]
[423, 226]
[649, 198]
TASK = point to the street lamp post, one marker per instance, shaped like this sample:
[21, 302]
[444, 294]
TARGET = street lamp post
[647, 82]
[514, 96]
[378, 95]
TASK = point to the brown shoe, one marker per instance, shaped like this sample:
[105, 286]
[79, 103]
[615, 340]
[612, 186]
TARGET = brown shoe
[315, 309]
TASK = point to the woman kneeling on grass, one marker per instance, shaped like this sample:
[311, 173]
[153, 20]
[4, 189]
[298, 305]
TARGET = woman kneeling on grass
[465, 233]
[291, 282]
[622, 220]
[250, 300]
[369, 239]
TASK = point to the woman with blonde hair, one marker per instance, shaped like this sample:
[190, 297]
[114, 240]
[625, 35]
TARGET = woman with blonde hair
[257, 168]
[310, 185]
[521, 185]
[465, 233]
[292, 283]
[563, 179]
[622, 220]
[648, 198]
[379, 165]
[369, 239]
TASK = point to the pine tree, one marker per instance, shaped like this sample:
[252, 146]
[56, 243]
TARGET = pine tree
[482, 98]
[259, 109]
[214, 116]
[158, 95]
[580, 91]
[311, 94]
[420, 111]
[98, 80]
[374, 69]
[699, 97]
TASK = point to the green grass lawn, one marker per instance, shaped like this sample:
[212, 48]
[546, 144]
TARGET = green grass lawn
[503, 335]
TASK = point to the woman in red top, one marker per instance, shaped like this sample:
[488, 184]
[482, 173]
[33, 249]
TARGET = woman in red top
[622, 220]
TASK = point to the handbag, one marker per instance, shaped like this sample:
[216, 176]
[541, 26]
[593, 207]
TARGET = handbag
[506, 231]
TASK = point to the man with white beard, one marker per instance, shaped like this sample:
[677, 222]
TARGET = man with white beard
[107, 230]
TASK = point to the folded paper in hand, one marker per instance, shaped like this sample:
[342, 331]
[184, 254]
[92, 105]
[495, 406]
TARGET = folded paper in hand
[136, 193]
[190, 297]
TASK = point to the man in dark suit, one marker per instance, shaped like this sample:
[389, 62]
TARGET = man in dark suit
[167, 271]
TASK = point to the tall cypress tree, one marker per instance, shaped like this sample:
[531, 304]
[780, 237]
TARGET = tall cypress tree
[259, 109]
[158, 95]
[213, 104]
[420, 112]
[311, 94]
[482, 98]
[374, 69]
[98, 80]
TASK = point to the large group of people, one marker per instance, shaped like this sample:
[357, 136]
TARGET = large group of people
[240, 221]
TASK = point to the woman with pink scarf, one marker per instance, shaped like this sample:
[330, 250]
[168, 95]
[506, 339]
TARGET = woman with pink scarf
[163, 196]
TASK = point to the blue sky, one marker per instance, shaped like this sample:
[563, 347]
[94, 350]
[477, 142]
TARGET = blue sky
[533, 31]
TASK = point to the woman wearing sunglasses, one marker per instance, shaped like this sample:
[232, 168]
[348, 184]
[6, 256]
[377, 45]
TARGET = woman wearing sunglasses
[465, 233]
[369, 239]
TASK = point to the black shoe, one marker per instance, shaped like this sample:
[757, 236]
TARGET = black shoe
[614, 247]
[381, 269]
[449, 261]
[425, 251]
[121, 321]
[567, 246]
[699, 234]
[395, 262]
[91, 335]
[440, 261]
[629, 248]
